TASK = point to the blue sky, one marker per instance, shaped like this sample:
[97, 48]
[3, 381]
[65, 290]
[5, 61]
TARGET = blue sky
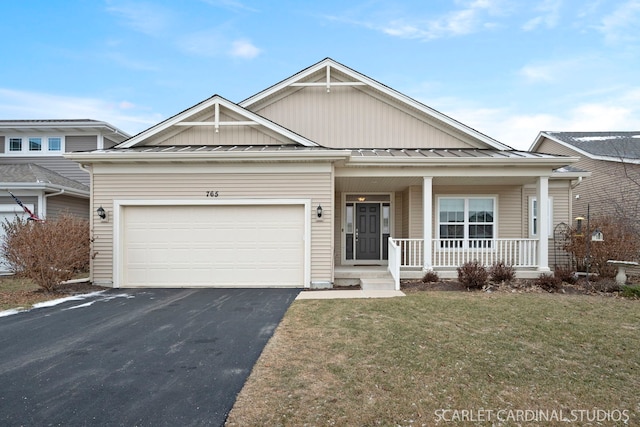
[508, 68]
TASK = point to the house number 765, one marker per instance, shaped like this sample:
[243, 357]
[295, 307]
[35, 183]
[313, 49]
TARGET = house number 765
[212, 194]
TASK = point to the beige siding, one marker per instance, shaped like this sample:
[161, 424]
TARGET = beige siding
[609, 190]
[181, 183]
[348, 117]
[80, 143]
[58, 205]
[398, 220]
[226, 135]
[415, 219]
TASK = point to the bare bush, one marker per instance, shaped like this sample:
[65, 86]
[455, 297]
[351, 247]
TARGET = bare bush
[620, 243]
[548, 282]
[501, 272]
[48, 252]
[473, 275]
[430, 277]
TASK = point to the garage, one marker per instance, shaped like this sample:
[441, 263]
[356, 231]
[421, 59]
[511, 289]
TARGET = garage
[237, 245]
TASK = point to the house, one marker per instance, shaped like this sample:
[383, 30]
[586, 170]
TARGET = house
[613, 158]
[32, 166]
[327, 177]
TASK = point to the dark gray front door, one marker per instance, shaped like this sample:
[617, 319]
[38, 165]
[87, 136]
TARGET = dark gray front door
[368, 231]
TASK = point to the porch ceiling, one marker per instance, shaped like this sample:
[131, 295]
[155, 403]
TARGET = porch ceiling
[399, 183]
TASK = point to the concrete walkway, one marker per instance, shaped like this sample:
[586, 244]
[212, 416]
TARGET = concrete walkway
[345, 294]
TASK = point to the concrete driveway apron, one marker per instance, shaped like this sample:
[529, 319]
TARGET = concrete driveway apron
[144, 357]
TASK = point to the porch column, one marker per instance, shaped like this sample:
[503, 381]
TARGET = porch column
[542, 198]
[427, 225]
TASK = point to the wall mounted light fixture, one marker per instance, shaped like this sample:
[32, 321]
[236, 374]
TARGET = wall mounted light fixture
[319, 211]
[101, 212]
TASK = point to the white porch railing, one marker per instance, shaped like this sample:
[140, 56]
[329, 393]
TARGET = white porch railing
[454, 253]
[394, 263]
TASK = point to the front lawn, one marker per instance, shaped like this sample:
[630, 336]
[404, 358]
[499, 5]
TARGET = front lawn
[424, 359]
[16, 292]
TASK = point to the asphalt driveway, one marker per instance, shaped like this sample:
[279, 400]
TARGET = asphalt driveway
[170, 357]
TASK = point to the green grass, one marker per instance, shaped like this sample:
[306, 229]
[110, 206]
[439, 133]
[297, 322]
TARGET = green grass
[397, 361]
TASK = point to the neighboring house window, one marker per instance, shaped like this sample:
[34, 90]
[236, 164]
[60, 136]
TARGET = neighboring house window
[533, 209]
[34, 145]
[466, 222]
[55, 144]
[15, 144]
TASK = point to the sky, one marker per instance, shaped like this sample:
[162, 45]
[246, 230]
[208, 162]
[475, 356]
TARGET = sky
[507, 68]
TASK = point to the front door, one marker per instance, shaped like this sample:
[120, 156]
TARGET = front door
[368, 231]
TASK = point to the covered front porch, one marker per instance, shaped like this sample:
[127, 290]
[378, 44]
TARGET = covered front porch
[412, 220]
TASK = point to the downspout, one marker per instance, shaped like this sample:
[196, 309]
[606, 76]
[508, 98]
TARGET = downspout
[577, 183]
[45, 197]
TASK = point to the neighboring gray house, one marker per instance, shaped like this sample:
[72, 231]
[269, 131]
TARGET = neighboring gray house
[33, 168]
[613, 158]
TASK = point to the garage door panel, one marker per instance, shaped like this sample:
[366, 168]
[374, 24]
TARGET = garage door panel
[213, 245]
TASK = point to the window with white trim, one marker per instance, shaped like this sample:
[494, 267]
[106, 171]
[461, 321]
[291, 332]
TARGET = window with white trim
[533, 217]
[34, 145]
[467, 222]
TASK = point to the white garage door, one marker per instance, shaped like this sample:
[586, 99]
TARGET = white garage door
[205, 246]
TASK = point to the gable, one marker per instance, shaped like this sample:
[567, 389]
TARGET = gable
[216, 121]
[340, 108]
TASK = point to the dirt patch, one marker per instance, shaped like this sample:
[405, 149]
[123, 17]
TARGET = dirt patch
[19, 292]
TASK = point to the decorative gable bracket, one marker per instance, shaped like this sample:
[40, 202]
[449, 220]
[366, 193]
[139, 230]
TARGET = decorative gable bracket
[328, 82]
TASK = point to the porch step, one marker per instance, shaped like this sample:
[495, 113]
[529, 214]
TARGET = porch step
[377, 284]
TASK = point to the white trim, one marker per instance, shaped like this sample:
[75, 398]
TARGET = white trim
[25, 152]
[466, 199]
[118, 207]
[532, 200]
[343, 225]
[215, 102]
[427, 221]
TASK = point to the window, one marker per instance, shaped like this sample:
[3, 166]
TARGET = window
[533, 209]
[466, 222]
[34, 145]
[55, 144]
[15, 144]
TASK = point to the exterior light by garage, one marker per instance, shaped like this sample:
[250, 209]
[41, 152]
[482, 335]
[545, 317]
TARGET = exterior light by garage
[319, 211]
[101, 213]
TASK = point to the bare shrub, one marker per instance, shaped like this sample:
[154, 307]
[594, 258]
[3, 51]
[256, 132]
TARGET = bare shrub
[430, 277]
[565, 274]
[48, 252]
[473, 275]
[548, 282]
[501, 272]
[620, 243]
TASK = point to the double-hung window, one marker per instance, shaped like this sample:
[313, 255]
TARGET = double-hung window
[466, 222]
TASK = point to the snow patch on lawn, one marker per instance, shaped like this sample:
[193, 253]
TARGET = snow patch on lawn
[54, 302]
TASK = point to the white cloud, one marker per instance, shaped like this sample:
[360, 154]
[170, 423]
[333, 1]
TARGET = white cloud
[16, 104]
[622, 24]
[147, 18]
[549, 15]
[244, 49]
[470, 17]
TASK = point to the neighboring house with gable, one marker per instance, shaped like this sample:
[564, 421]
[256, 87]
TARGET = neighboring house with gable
[327, 177]
[613, 158]
[33, 168]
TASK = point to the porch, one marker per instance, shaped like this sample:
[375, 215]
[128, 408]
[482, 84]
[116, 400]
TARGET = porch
[407, 260]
